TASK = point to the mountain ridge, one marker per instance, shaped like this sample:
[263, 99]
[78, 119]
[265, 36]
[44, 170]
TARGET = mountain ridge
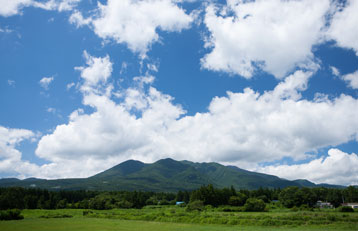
[165, 175]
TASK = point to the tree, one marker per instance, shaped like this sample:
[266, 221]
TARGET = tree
[61, 204]
[195, 205]
[295, 196]
[254, 205]
[238, 200]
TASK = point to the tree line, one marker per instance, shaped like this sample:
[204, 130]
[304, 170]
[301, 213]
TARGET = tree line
[27, 198]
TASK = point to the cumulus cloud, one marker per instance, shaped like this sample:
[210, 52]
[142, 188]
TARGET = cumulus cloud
[10, 156]
[343, 27]
[337, 168]
[243, 128]
[335, 71]
[12, 164]
[135, 23]
[97, 72]
[45, 82]
[351, 79]
[273, 35]
[77, 19]
[13, 7]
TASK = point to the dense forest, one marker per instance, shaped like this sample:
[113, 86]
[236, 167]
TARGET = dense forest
[27, 198]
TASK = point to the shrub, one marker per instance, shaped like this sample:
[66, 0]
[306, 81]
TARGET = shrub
[346, 209]
[164, 202]
[195, 205]
[11, 214]
[124, 204]
[254, 205]
[56, 216]
[238, 200]
[87, 212]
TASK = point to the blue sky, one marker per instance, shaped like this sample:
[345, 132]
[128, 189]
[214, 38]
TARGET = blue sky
[269, 86]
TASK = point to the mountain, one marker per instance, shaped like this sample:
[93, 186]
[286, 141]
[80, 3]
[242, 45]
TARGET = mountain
[166, 175]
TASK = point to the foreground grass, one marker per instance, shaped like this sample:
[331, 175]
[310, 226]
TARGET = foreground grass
[101, 224]
[175, 218]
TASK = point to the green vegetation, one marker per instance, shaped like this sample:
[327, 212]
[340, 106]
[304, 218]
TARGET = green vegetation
[254, 200]
[254, 205]
[223, 208]
[177, 218]
[346, 209]
[165, 175]
[11, 214]
[195, 206]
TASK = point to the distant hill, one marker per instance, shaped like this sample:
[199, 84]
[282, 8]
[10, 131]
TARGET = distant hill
[166, 175]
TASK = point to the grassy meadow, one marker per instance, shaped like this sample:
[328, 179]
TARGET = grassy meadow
[176, 218]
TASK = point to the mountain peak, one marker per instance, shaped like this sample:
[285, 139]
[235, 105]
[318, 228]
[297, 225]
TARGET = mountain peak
[123, 169]
[165, 175]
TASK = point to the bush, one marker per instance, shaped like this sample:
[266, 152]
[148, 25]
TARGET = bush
[11, 214]
[346, 209]
[87, 212]
[124, 204]
[238, 200]
[254, 205]
[195, 205]
[56, 216]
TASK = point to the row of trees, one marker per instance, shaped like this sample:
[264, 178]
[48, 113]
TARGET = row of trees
[289, 197]
[22, 198]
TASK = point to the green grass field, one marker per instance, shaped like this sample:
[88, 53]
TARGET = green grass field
[173, 218]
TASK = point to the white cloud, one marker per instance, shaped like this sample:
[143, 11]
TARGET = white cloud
[335, 71]
[96, 73]
[242, 128]
[351, 79]
[10, 157]
[135, 23]
[59, 5]
[273, 35]
[337, 168]
[70, 85]
[12, 164]
[12, 7]
[51, 110]
[343, 27]
[77, 19]
[11, 82]
[6, 30]
[45, 82]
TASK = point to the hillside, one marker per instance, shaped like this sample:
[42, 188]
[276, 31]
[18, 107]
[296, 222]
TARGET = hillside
[165, 175]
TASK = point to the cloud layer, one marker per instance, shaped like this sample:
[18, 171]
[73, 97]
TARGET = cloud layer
[337, 168]
[242, 128]
[245, 128]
